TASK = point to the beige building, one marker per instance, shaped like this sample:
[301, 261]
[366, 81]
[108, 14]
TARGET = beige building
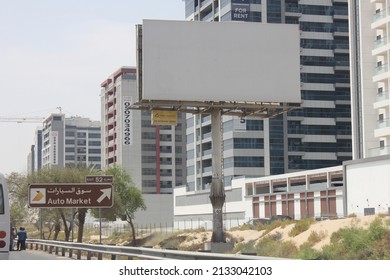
[154, 156]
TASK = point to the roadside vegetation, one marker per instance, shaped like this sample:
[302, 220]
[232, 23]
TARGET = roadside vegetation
[350, 243]
[64, 223]
[353, 242]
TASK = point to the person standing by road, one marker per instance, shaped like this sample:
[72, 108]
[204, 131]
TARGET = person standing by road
[22, 236]
[12, 238]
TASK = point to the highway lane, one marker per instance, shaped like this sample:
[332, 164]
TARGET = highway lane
[34, 255]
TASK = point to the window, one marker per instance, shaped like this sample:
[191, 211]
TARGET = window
[1, 200]
[166, 137]
[165, 149]
[256, 125]
[81, 142]
[148, 147]
[94, 143]
[94, 158]
[94, 135]
[248, 143]
[148, 159]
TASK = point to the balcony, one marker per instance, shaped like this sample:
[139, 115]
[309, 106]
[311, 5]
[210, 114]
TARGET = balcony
[383, 128]
[382, 96]
[380, 15]
[380, 151]
[205, 3]
[110, 88]
[111, 131]
[111, 143]
[380, 70]
[380, 42]
[384, 123]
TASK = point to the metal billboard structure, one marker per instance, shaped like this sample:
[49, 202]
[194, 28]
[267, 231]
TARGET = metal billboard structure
[233, 69]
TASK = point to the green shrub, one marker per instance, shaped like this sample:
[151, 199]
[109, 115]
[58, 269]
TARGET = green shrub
[315, 237]
[381, 248]
[306, 252]
[376, 230]
[300, 226]
[272, 246]
[245, 247]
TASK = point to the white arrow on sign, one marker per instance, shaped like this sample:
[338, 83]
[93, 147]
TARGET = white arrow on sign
[105, 193]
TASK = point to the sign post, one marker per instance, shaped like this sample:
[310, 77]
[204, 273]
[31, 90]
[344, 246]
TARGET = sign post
[98, 179]
[70, 195]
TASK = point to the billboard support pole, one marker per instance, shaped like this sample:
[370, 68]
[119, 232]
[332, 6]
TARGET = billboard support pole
[217, 190]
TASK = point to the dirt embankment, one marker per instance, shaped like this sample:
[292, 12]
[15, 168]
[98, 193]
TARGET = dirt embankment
[325, 229]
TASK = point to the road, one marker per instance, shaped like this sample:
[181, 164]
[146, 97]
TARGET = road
[34, 255]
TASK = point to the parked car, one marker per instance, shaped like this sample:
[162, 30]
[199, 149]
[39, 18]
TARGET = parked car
[280, 218]
[259, 221]
[267, 221]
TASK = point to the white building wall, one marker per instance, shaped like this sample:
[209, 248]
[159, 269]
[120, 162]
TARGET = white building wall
[369, 88]
[340, 204]
[297, 206]
[317, 204]
[200, 215]
[158, 213]
[368, 185]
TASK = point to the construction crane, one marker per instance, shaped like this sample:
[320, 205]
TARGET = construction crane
[22, 119]
[26, 119]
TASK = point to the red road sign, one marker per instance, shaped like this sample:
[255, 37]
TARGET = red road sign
[98, 179]
[71, 195]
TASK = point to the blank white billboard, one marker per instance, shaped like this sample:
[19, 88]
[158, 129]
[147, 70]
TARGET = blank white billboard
[220, 61]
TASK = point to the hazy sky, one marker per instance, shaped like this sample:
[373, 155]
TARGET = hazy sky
[55, 53]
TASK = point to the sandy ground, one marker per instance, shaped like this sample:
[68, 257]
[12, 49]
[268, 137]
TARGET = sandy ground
[323, 228]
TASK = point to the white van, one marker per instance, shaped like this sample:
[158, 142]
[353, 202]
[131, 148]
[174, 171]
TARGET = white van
[5, 224]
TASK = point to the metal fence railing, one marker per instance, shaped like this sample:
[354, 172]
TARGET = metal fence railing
[93, 251]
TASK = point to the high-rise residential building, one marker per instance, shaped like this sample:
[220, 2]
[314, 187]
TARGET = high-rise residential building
[70, 142]
[38, 149]
[315, 136]
[370, 79]
[154, 156]
[53, 141]
[34, 158]
[31, 160]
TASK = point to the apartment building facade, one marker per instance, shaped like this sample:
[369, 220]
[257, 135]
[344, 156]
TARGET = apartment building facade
[370, 57]
[154, 156]
[318, 134]
[68, 142]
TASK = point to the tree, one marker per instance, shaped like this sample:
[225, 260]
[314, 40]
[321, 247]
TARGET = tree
[128, 199]
[17, 189]
[62, 216]
[133, 202]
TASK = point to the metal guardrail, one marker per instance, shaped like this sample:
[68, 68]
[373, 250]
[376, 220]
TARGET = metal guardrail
[89, 251]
